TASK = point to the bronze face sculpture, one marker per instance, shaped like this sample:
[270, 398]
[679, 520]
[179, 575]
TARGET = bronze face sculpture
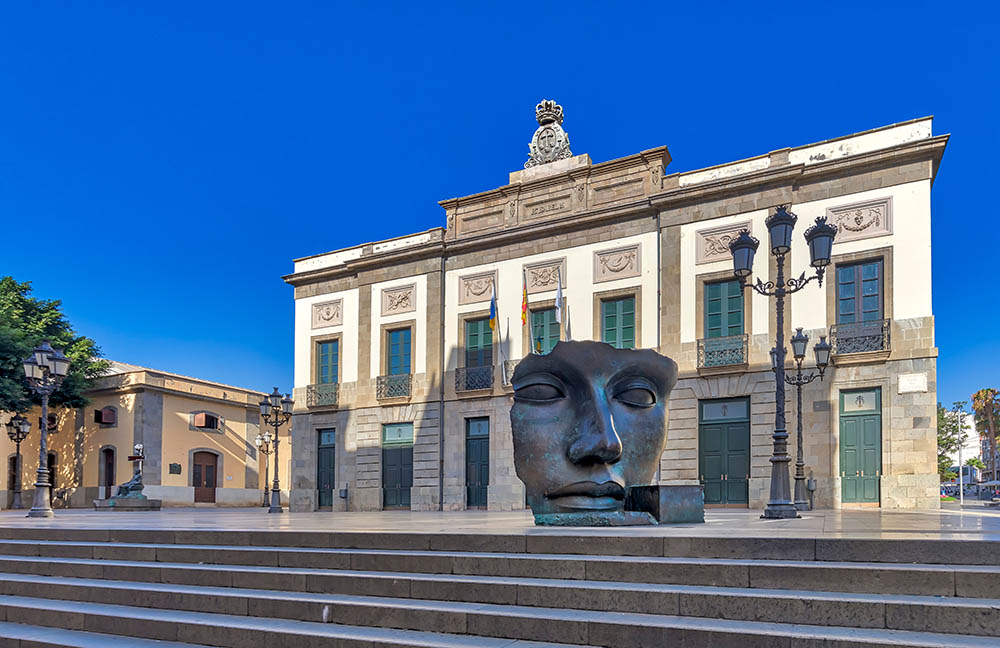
[589, 421]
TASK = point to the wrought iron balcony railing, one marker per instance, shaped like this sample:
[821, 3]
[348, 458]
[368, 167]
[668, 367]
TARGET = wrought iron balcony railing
[508, 370]
[860, 337]
[472, 378]
[393, 386]
[324, 395]
[722, 351]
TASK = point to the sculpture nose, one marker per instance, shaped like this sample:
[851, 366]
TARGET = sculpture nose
[598, 441]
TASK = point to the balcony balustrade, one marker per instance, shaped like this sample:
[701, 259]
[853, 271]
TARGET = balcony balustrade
[325, 395]
[722, 351]
[860, 337]
[397, 386]
[473, 378]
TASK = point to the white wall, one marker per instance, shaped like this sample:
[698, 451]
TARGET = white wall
[578, 294]
[348, 342]
[418, 343]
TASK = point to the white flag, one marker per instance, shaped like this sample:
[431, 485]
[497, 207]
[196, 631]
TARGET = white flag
[559, 296]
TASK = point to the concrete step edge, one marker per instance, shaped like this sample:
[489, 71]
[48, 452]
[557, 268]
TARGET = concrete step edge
[614, 631]
[411, 612]
[58, 637]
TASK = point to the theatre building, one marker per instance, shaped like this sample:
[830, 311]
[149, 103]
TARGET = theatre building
[198, 438]
[402, 390]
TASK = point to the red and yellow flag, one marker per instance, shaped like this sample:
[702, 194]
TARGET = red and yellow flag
[524, 299]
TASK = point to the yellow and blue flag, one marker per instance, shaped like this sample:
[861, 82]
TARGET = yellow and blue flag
[493, 309]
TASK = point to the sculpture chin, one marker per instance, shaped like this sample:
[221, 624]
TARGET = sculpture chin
[587, 503]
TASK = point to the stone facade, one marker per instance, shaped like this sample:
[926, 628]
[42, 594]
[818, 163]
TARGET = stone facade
[625, 228]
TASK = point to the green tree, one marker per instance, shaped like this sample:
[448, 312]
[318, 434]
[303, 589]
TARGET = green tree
[950, 437]
[987, 409]
[26, 321]
[976, 463]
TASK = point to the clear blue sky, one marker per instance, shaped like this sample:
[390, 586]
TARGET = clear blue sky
[161, 164]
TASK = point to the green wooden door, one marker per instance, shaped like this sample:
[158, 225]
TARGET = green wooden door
[397, 465]
[478, 343]
[477, 461]
[860, 445]
[724, 451]
[618, 322]
[723, 309]
[325, 463]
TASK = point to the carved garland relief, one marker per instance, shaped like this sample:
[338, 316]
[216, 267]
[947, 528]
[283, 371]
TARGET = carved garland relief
[545, 276]
[476, 288]
[329, 313]
[862, 220]
[620, 263]
[401, 299]
[713, 244]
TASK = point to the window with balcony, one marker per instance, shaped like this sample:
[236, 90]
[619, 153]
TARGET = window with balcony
[618, 322]
[861, 324]
[325, 390]
[396, 382]
[478, 370]
[725, 342]
[544, 330]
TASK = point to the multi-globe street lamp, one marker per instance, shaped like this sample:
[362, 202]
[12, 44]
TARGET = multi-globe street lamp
[276, 411]
[18, 428]
[45, 369]
[263, 443]
[819, 237]
[822, 350]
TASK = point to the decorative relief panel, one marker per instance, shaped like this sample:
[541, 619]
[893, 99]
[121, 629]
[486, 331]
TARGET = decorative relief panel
[476, 288]
[400, 299]
[329, 313]
[629, 186]
[713, 244]
[544, 276]
[862, 220]
[620, 263]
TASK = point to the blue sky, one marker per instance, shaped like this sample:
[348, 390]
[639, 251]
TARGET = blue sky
[161, 164]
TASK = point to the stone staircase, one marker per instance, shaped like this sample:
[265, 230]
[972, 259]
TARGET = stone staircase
[109, 588]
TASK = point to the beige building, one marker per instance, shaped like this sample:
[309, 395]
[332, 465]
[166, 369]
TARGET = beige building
[401, 386]
[197, 436]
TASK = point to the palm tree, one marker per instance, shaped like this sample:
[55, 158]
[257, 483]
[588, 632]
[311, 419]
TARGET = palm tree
[987, 409]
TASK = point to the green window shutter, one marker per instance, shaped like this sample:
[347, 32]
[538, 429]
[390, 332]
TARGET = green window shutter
[544, 330]
[399, 352]
[723, 309]
[327, 362]
[618, 322]
[478, 343]
[859, 292]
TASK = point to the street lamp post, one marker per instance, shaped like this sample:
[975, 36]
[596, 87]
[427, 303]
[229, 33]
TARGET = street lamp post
[45, 369]
[264, 446]
[819, 237]
[822, 350]
[276, 411]
[17, 429]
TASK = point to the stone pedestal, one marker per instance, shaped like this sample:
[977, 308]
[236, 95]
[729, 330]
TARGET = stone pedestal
[127, 504]
[668, 503]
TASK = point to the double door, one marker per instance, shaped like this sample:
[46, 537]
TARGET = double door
[397, 476]
[477, 461]
[325, 467]
[860, 446]
[203, 476]
[724, 452]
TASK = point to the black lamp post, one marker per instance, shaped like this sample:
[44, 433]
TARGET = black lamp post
[263, 443]
[45, 369]
[276, 411]
[18, 428]
[822, 350]
[819, 237]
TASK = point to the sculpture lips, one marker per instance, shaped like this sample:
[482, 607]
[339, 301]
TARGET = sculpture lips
[590, 489]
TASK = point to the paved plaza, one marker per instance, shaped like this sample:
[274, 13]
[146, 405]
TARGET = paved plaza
[971, 523]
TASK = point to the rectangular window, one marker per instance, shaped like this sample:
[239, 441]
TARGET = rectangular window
[399, 352]
[327, 362]
[723, 309]
[618, 322]
[544, 330]
[859, 292]
[478, 343]
[327, 436]
[397, 434]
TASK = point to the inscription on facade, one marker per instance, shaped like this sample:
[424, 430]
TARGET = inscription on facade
[329, 313]
[547, 207]
[713, 244]
[862, 220]
[620, 263]
[545, 276]
[476, 288]
[400, 299]
[912, 383]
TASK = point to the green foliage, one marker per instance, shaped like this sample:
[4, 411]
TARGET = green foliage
[950, 437]
[25, 321]
[986, 406]
[975, 462]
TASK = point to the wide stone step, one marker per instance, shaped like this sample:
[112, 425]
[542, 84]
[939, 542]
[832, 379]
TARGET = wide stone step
[575, 541]
[887, 578]
[535, 618]
[207, 629]
[610, 630]
[918, 613]
[18, 635]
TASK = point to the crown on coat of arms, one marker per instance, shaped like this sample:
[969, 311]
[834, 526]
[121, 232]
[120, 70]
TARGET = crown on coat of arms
[548, 111]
